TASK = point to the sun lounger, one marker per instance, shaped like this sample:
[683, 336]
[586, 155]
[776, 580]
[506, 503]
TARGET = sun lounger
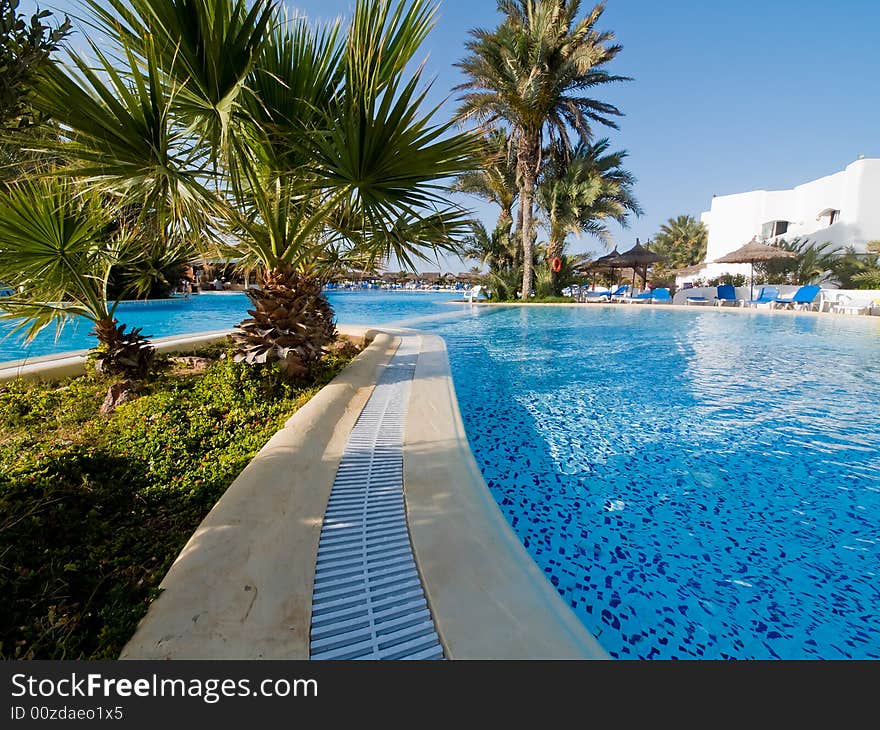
[803, 298]
[845, 304]
[645, 296]
[768, 295]
[724, 294]
[697, 300]
[660, 295]
[605, 296]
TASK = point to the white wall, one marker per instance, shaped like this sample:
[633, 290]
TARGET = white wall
[826, 296]
[734, 220]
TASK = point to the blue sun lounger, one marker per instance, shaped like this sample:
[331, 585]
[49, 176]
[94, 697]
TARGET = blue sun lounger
[606, 295]
[661, 295]
[656, 295]
[767, 295]
[724, 293]
[803, 298]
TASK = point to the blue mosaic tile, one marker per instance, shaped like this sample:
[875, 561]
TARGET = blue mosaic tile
[693, 484]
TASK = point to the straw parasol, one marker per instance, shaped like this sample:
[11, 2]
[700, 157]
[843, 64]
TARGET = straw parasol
[638, 256]
[603, 263]
[755, 252]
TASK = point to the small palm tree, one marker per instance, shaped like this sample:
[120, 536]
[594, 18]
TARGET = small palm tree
[813, 263]
[580, 193]
[682, 242]
[309, 148]
[57, 249]
[495, 250]
[858, 270]
[533, 73]
[342, 172]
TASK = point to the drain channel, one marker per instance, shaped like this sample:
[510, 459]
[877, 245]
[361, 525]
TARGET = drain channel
[368, 601]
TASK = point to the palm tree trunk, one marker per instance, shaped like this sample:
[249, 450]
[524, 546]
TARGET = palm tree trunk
[554, 250]
[120, 352]
[528, 249]
[516, 242]
[106, 332]
[291, 323]
[528, 162]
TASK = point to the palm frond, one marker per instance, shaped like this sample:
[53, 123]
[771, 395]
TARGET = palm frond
[56, 252]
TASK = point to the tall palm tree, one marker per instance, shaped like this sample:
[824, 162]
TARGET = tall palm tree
[533, 73]
[58, 249]
[495, 180]
[579, 194]
[682, 242]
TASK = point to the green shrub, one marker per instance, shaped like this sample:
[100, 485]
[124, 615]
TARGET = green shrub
[94, 510]
[552, 300]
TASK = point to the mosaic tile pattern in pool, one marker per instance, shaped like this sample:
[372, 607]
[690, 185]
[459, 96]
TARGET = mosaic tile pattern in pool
[695, 484]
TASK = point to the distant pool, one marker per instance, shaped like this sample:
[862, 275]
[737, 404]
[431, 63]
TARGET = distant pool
[695, 484]
[206, 312]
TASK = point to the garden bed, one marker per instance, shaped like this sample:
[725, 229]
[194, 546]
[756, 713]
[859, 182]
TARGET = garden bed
[93, 510]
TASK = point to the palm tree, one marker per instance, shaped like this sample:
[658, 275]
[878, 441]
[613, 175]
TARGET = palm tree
[580, 194]
[58, 251]
[122, 140]
[854, 270]
[206, 48]
[813, 263]
[310, 149]
[355, 186]
[495, 180]
[682, 241]
[495, 250]
[532, 73]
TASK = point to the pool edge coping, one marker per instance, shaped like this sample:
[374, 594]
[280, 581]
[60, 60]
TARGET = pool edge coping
[675, 307]
[489, 598]
[73, 362]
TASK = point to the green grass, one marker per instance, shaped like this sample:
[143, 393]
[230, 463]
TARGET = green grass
[94, 510]
[535, 300]
[551, 300]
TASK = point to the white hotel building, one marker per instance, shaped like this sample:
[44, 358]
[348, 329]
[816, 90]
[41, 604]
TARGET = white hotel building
[843, 208]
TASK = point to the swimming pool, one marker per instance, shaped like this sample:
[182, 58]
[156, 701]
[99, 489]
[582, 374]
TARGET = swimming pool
[206, 312]
[695, 484]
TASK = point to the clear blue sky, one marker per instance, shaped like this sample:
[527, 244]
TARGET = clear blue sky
[727, 96]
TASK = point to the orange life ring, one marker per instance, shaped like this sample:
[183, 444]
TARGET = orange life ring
[556, 264]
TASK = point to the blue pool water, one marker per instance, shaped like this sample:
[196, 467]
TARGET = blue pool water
[206, 312]
[694, 484]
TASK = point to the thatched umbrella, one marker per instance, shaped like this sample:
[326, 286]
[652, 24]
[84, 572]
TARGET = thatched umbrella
[603, 263]
[755, 251]
[638, 256]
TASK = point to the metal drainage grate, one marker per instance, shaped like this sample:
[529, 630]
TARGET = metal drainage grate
[368, 601]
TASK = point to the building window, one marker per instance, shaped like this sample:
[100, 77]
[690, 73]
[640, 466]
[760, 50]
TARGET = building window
[832, 214]
[774, 228]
